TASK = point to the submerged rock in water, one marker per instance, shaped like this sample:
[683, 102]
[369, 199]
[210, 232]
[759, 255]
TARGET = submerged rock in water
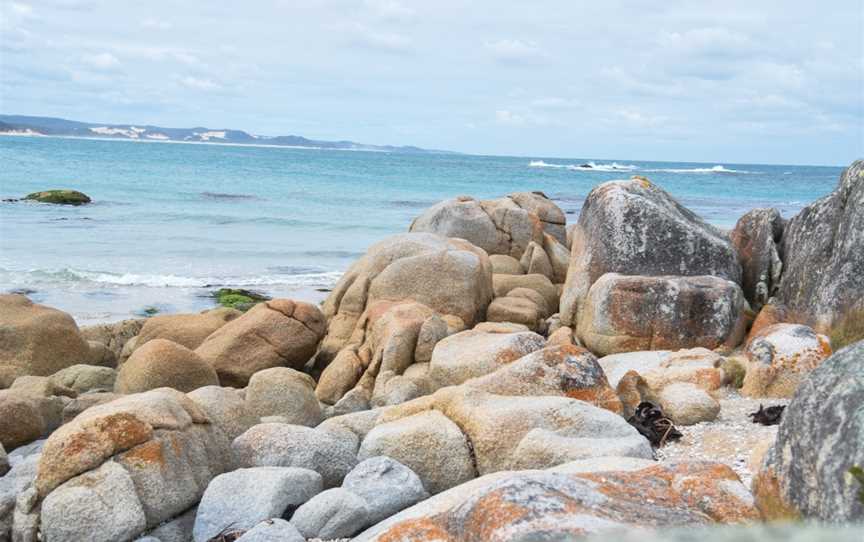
[60, 197]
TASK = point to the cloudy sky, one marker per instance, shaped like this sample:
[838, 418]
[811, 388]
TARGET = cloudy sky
[770, 81]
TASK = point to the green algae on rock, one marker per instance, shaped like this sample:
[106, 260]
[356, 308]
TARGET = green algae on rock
[60, 197]
[238, 298]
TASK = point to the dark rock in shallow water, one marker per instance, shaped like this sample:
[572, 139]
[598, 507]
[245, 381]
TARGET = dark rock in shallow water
[823, 256]
[60, 197]
[807, 471]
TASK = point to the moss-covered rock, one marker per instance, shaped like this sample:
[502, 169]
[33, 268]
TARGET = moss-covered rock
[60, 197]
[238, 298]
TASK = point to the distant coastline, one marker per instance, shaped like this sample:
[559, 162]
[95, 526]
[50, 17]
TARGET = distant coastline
[30, 126]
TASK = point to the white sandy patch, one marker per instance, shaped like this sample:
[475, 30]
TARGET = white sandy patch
[730, 439]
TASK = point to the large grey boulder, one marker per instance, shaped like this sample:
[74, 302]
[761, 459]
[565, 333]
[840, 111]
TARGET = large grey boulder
[429, 444]
[450, 276]
[226, 408]
[99, 505]
[500, 226]
[334, 513]
[38, 340]
[823, 255]
[624, 313]
[85, 378]
[272, 530]
[636, 228]
[243, 498]
[756, 239]
[281, 391]
[386, 485]
[807, 472]
[472, 353]
[547, 505]
[275, 333]
[330, 454]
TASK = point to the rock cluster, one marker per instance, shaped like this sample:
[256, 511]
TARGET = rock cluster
[468, 380]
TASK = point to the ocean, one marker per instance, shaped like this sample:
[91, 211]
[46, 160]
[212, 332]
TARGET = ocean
[172, 222]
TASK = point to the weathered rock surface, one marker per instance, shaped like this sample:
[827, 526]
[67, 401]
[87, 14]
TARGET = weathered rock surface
[636, 228]
[505, 265]
[161, 363]
[284, 445]
[226, 408]
[245, 497]
[272, 530]
[386, 486]
[113, 336]
[165, 442]
[427, 443]
[100, 505]
[823, 254]
[500, 226]
[542, 505]
[275, 333]
[567, 371]
[504, 284]
[389, 338]
[450, 276]
[334, 513]
[625, 313]
[756, 239]
[780, 358]
[474, 353]
[687, 404]
[38, 340]
[85, 378]
[821, 437]
[20, 420]
[188, 330]
[771, 532]
[281, 391]
[517, 310]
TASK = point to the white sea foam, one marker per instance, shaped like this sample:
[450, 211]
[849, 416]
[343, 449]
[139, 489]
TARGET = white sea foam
[587, 166]
[70, 276]
[616, 167]
[715, 169]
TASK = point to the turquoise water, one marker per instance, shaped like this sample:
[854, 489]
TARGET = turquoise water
[172, 221]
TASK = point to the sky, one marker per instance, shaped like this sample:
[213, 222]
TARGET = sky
[738, 81]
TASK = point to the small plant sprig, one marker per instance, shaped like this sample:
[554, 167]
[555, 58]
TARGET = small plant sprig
[858, 473]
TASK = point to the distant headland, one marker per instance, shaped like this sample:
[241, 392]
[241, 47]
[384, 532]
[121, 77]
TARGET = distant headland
[57, 127]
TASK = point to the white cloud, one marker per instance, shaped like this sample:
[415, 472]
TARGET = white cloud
[156, 24]
[101, 61]
[524, 117]
[515, 50]
[364, 36]
[711, 41]
[197, 83]
[391, 10]
[554, 103]
[25, 11]
[636, 118]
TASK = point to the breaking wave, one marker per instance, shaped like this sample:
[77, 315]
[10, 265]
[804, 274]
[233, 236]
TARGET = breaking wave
[587, 166]
[616, 167]
[71, 276]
